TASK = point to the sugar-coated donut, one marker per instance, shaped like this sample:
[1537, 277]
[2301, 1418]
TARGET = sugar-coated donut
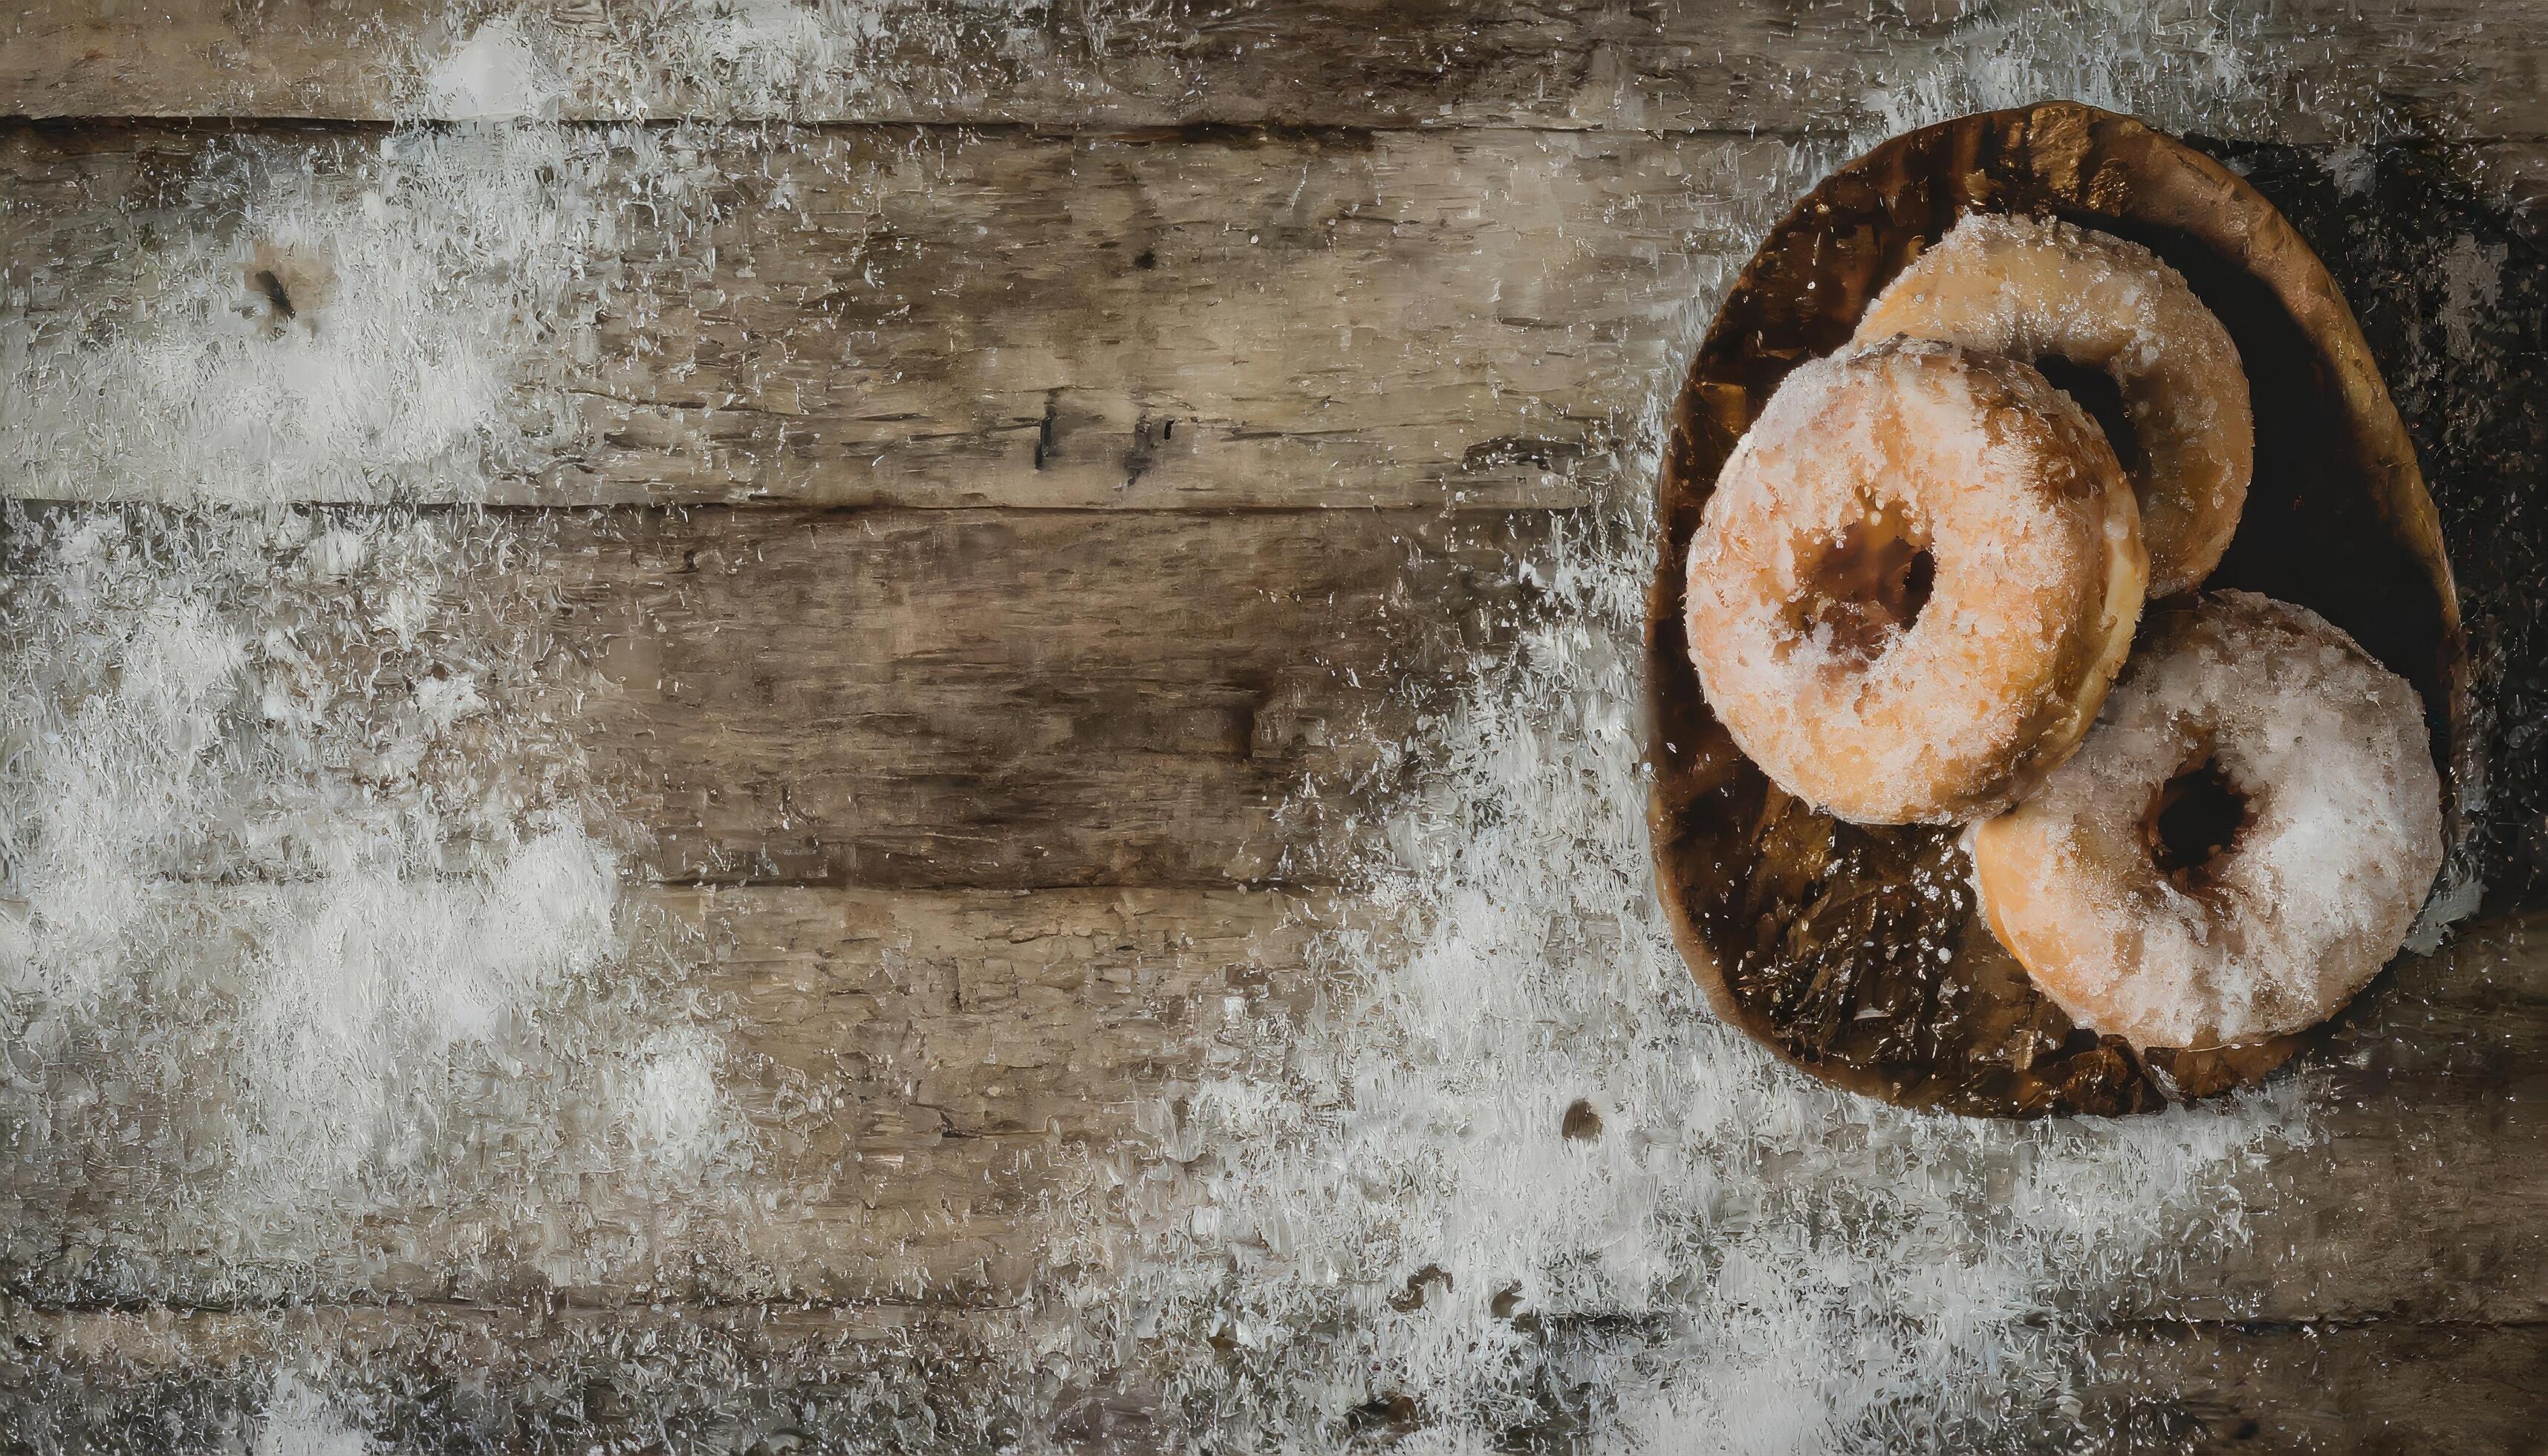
[2241, 845]
[1918, 574]
[2108, 322]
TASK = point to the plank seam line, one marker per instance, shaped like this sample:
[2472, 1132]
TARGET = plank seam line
[2162, 1324]
[570, 1308]
[775, 508]
[1153, 133]
[21, 1308]
[1059, 888]
[1160, 133]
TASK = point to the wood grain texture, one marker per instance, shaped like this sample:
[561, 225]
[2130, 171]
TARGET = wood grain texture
[541, 1378]
[925, 1074]
[2438, 1082]
[918, 1073]
[2467, 67]
[934, 699]
[975, 1056]
[2418, 1202]
[934, 317]
[2393, 1386]
[930, 319]
[549, 1375]
[1015, 701]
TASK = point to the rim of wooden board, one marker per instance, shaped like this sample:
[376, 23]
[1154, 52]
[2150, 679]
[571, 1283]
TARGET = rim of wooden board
[1853, 951]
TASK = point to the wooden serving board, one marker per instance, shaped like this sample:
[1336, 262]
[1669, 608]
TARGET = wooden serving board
[1853, 951]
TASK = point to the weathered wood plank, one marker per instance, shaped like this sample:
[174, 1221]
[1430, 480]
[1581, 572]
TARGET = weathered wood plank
[926, 318]
[2422, 1201]
[956, 1381]
[1027, 1020]
[2395, 1386]
[2461, 67]
[915, 1071]
[945, 699]
[869, 316]
[970, 1053]
[921, 1071]
[530, 1379]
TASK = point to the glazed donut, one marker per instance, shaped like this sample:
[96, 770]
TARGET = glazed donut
[1918, 573]
[2109, 322]
[2241, 845]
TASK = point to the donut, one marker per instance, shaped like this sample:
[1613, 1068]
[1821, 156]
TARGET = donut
[1917, 576]
[2118, 329]
[2241, 844]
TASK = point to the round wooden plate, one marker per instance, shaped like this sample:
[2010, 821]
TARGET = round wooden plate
[1855, 951]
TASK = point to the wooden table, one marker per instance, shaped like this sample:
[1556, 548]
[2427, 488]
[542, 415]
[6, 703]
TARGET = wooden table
[1035, 450]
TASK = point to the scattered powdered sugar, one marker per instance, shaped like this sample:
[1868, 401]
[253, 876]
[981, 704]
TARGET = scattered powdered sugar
[2472, 279]
[722, 60]
[300, 1421]
[1368, 1221]
[353, 328]
[314, 951]
[412, 316]
[1391, 1213]
[2190, 66]
[305, 906]
[310, 922]
[2342, 838]
[665, 1099]
[492, 75]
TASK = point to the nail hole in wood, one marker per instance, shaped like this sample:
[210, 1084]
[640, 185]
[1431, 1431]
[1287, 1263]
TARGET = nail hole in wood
[1046, 432]
[1583, 1124]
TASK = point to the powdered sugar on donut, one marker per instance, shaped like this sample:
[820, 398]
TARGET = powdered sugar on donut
[2038, 287]
[2037, 581]
[2341, 840]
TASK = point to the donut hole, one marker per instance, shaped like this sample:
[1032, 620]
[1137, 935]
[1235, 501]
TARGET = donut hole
[2095, 391]
[1867, 589]
[2193, 822]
